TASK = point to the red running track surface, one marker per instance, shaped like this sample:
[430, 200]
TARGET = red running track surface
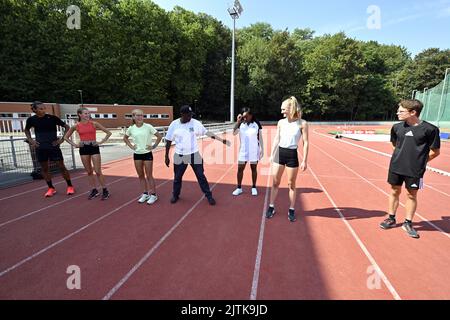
[191, 250]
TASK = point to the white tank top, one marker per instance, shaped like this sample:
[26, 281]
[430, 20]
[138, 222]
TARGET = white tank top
[290, 134]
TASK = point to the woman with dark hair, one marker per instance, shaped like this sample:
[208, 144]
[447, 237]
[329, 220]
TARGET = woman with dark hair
[89, 149]
[46, 144]
[251, 147]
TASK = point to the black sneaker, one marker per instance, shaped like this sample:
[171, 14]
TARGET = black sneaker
[174, 199]
[291, 216]
[407, 226]
[211, 201]
[388, 223]
[105, 194]
[270, 212]
[93, 194]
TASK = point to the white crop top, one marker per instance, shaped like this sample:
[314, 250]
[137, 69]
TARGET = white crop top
[290, 133]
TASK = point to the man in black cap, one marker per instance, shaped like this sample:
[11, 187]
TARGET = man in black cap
[184, 131]
[47, 144]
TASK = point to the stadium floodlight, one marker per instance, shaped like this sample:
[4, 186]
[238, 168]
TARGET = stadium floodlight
[442, 95]
[235, 12]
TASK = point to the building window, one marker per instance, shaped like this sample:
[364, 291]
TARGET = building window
[128, 116]
[6, 115]
[165, 116]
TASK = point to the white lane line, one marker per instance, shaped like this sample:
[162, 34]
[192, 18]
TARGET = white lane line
[158, 244]
[257, 268]
[382, 191]
[54, 244]
[439, 171]
[358, 240]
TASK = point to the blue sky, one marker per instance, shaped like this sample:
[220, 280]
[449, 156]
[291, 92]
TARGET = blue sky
[415, 24]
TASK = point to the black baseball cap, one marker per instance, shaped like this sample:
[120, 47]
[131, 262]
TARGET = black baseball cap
[36, 103]
[186, 110]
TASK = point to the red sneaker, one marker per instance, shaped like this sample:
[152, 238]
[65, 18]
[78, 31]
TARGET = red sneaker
[70, 191]
[50, 192]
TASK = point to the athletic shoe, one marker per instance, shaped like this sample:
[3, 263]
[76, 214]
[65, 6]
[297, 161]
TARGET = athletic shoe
[174, 199]
[291, 216]
[144, 198]
[237, 192]
[152, 199]
[254, 192]
[410, 230]
[50, 192]
[388, 223]
[105, 194]
[70, 190]
[211, 201]
[270, 212]
[93, 194]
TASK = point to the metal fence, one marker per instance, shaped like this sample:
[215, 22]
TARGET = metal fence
[18, 163]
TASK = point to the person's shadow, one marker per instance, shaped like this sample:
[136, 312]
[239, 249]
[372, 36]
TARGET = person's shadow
[348, 213]
[443, 224]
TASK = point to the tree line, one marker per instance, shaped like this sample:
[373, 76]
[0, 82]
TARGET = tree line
[134, 52]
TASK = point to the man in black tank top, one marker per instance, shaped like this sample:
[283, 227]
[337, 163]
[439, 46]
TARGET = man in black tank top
[415, 143]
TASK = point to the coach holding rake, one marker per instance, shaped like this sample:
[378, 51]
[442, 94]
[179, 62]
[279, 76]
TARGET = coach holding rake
[184, 131]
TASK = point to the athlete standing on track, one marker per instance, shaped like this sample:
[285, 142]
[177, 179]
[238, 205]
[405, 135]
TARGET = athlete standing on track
[47, 144]
[142, 134]
[251, 148]
[284, 153]
[90, 149]
[415, 143]
[185, 131]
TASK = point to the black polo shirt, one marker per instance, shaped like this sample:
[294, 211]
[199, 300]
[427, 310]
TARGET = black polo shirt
[45, 129]
[413, 144]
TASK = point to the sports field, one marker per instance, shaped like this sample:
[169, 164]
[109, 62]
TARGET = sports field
[190, 250]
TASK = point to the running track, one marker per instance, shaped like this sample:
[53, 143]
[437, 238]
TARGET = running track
[191, 250]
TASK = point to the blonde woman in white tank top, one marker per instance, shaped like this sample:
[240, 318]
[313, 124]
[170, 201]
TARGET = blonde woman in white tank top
[284, 153]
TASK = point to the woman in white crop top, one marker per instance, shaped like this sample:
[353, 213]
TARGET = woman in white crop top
[284, 154]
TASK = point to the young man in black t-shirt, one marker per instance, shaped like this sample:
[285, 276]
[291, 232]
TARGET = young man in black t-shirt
[47, 144]
[415, 143]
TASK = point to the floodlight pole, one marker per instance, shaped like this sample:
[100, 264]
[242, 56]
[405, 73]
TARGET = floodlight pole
[234, 12]
[232, 73]
[81, 96]
[442, 96]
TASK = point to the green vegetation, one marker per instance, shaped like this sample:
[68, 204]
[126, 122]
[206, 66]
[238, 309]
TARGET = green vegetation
[134, 52]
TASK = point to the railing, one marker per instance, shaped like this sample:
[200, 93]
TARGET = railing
[18, 161]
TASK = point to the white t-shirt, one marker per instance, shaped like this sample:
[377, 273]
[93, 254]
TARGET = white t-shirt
[290, 133]
[249, 147]
[185, 135]
[142, 137]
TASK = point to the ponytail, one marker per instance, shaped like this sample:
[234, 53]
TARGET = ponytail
[80, 111]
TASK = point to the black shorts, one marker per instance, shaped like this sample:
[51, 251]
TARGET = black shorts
[89, 150]
[287, 157]
[143, 157]
[49, 154]
[410, 182]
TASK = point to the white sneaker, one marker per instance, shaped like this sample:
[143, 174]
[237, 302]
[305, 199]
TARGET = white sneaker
[152, 199]
[144, 198]
[237, 192]
[254, 192]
